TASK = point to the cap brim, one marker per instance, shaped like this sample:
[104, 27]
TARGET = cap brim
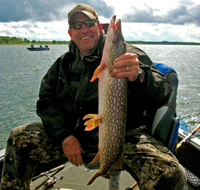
[89, 15]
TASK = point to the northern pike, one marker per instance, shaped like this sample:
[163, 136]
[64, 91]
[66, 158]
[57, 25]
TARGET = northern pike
[111, 117]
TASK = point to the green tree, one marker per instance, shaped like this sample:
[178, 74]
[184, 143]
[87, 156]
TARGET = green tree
[26, 40]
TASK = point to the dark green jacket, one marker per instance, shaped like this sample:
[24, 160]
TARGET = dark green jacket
[62, 114]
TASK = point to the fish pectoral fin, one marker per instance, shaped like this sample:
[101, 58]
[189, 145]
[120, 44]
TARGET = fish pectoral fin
[93, 122]
[97, 72]
[119, 163]
[88, 116]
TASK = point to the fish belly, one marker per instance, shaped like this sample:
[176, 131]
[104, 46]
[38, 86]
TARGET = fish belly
[112, 128]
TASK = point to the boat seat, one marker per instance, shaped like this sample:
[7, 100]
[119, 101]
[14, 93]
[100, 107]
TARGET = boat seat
[166, 123]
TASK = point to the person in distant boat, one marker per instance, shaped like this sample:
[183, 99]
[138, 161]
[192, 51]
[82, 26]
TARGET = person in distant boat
[32, 46]
[67, 95]
[40, 46]
[46, 46]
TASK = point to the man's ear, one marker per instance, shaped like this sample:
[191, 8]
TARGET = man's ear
[70, 33]
[100, 27]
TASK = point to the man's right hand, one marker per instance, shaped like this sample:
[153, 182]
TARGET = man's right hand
[73, 150]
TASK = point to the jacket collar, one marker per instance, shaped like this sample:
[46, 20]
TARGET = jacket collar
[70, 55]
[95, 54]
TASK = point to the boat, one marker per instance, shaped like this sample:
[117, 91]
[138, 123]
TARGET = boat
[69, 177]
[65, 176]
[32, 48]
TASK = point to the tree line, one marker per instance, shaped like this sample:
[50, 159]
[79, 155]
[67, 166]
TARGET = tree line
[16, 40]
[163, 43]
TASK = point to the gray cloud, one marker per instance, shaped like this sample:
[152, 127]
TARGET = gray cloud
[42, 10]
[7, 32]
[39, 14]
[178, 15]
[51, 10]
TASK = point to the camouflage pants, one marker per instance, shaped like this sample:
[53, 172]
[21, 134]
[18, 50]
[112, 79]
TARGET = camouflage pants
[153, 165]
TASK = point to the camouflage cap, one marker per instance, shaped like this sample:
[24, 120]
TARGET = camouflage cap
[82, 8]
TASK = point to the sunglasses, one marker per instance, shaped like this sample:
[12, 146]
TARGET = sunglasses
[87, 23]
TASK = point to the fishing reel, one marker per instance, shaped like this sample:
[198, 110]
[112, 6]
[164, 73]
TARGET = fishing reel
[50, 181]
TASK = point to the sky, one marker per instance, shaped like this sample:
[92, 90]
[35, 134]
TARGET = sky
[144, 20]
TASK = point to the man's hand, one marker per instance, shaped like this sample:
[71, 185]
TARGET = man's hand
[126, 65]
[73, 150]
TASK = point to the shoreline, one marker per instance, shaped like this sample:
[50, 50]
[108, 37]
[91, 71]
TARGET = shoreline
[129, 42]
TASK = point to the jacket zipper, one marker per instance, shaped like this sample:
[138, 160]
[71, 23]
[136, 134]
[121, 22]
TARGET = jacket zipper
[66, 83]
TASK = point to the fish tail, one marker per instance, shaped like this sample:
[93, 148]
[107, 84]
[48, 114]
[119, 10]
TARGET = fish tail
[94, 177]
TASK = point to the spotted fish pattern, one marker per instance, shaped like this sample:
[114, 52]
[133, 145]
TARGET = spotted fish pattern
[111, 117]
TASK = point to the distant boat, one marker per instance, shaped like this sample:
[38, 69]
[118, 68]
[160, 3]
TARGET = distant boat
[32, 48]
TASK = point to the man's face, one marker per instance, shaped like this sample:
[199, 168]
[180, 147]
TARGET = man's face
[85, 38]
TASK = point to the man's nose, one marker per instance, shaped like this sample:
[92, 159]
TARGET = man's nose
[83, 27]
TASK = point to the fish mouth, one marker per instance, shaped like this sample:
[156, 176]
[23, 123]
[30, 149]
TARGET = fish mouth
[117, 30]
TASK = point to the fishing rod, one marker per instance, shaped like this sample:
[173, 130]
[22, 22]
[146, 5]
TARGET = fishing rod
[50, 180]
[178, 146]
[47, 172]
[188, 136]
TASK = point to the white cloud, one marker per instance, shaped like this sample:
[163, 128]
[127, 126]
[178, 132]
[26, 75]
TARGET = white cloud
[161, 32]
[57, 30]
[146, 20]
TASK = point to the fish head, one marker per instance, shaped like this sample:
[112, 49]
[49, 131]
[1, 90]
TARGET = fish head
[114, 44]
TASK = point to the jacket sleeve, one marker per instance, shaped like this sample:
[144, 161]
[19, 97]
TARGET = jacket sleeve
[155, 90]
[49, 109]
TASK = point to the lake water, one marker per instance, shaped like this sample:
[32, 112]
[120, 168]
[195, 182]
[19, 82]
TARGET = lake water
[21, 72]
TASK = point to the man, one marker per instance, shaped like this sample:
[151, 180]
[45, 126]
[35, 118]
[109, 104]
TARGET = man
[66, 96]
